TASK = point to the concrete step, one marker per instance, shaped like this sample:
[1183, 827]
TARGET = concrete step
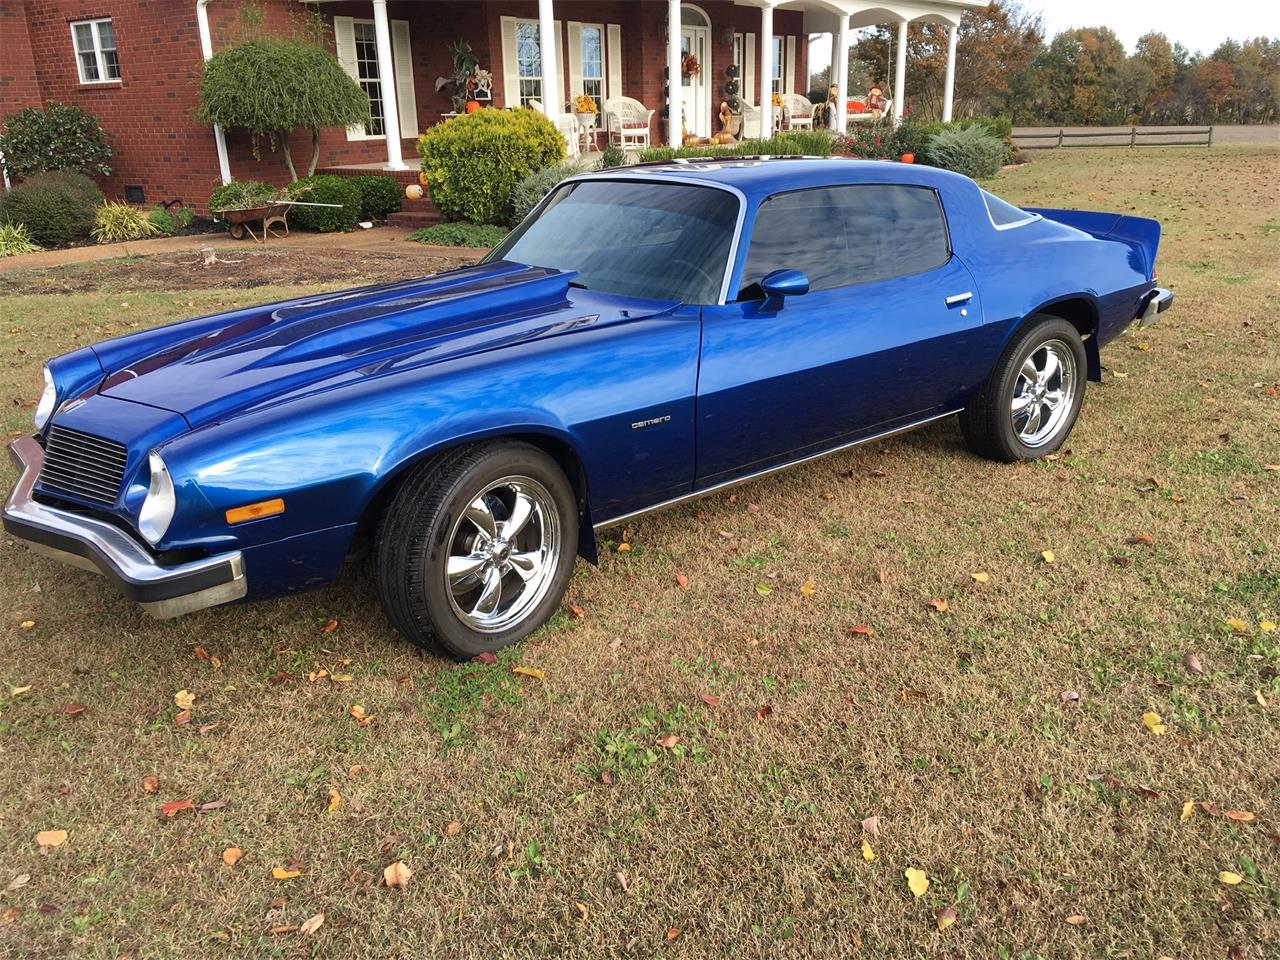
[419, 213]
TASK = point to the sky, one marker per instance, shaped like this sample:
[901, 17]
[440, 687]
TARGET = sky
[1196, 25]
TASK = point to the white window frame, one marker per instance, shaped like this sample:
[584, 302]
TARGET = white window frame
[603, 78]
[402, 70]
[779, 67]
[365, 134]
[511, 62]
[95, 32]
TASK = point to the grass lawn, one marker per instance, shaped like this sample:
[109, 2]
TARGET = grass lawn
[806, 670]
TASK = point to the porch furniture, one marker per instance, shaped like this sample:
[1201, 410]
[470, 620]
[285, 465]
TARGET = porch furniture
[586, 131]
[628, 123]
[799, 111]
[750, 120]
[567, 126]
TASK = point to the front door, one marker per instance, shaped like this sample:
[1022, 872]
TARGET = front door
[696, 92]
[873, 346]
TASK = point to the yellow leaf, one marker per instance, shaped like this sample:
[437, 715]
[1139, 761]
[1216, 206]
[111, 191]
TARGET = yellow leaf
[624, 548]
[946, 917]
[27, 624]
[1236, 624]
[19, 691]
[528, 672]
[311, 925]
[1257, 695]
[1267, 626]
[232, 855]
[335, 799]
[981, 577]
[1152, 721]
[583, 913]
[280, 873]
[397, 874]
[1047, 555]
[315, 675]
[358, 713]
[184, 699]
[867, 853]
[341, 678]
[1230, 879]
[1187, 809]
[807, 588]
[917, 881]
[51, 838]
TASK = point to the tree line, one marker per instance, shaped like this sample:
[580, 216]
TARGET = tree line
[1005, 66]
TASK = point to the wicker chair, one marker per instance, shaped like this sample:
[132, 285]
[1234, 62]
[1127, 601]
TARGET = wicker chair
[799, 112]
[628, 123]
[567, 126]
[750, 120]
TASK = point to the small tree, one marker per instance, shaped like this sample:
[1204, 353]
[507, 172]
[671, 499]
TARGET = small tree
[59, 137]
[270, 87]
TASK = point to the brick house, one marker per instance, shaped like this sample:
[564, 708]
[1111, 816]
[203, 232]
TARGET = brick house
[136, 67]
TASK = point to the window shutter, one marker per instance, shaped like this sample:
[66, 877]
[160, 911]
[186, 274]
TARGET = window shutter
[749, 72]
[510, 69]
[575, 58]
[789, 68]
[344, 41]
[560, 71]
[614, 72]
[406, 97]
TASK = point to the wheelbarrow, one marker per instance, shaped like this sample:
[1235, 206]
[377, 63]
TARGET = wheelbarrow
[271, 218]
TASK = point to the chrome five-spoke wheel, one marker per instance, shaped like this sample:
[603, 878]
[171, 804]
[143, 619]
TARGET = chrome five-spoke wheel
[1044, 394]
[502, 554]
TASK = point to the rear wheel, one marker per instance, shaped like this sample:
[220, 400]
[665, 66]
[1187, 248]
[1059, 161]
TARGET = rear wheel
[1026, 408]
[477, 548]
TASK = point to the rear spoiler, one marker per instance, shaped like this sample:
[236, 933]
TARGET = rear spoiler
[1138, 232]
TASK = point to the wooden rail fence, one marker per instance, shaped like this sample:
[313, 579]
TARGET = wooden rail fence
[1200, 137]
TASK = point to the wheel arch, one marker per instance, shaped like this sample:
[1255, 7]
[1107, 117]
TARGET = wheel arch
[557, 446]
[1081, 311]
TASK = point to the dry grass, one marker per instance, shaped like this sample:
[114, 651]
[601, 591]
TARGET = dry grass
[1024, 810]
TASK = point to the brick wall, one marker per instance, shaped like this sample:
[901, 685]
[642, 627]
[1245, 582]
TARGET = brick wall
[18, 87]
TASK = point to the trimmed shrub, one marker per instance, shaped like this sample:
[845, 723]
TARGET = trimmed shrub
[58, 137]
[474, 162]
[326, 189]
[56, 207]
[379, 196]
[242, 195]
[530, 191]
[793, 143]
[973, 151]
[114, 222]
[15, 238]
[1001, 127]
[162, 220]
[460, 235]
[612, 157]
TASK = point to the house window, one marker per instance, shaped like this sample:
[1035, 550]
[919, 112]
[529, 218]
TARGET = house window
[778, 52]
[528, 61]
[368, 77]
[593, 61]
[95, 45]
[737, 53]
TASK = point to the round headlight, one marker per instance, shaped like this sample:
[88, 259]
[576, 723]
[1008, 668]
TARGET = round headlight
[157, 508]
[44, 409]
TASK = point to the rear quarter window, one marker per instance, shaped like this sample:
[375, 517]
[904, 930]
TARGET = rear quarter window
[1005, 214]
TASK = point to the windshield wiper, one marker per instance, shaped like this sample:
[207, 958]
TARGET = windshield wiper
[577, 284]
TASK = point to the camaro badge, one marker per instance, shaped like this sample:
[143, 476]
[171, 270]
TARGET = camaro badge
[649, 423]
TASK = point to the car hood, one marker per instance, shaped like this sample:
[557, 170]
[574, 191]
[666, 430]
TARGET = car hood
[286, 350]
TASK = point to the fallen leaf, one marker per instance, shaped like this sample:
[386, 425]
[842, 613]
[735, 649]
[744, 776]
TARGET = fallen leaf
[868, 854]
[1152, 721]
[945, 917]
[1261, 700]
[1230, 879]
[211, 806]
[672, 933]
[763, 589]
[622, 882]
[726, 535]
[1267, 626]
[311, 925]
[75, 709]
[1075, 919]
[1244, 816]
[682, 581]
[578, 612]
[182, 718]
[1047, 556]
[807, 588]
[710, 699]
[1236, 624]
[871, 827]
[341, 678]
[280, 873]
[232, 855]
[528, 672]
[1068, 696]
[452, 828]
[1187, 809]
[12, 914]
[882, 576]
[335, 801]
[667, 742]
[329, 627]
[184, 699]
[18, 882]
[486, 658]
[764, 712]
[175, 807]
[981, 577]
[939, 605]
[27, 624]
[1145, 539]
[624, 548]
[861, 631]
[316, 675]
[397, 874]
[359, 714]
[583, 913]
[1192, 662]
[51, 838]
[917, 881]
[19, 691]
[288, 928]
[150, 783]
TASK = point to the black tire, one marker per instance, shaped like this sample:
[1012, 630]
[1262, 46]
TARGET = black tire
[427, 520]
[988, 423]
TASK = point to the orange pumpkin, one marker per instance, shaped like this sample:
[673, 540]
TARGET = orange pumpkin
[422, 179]
[413, 192]
[908, 158]
[472, 106]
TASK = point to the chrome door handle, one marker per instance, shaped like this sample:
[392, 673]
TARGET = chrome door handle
[959, 298]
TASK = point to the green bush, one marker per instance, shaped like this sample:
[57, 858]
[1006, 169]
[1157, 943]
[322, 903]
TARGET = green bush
[793, 143]
[15, 238]
[162, 220]
[920, 133]
[115, 222]
[56, 207]
[242, 195]
[460, 235]
[474, 162]
[58, 137]
[973, 151]
[379, 196]
[612, 157]
[530, 191]
[326, 189]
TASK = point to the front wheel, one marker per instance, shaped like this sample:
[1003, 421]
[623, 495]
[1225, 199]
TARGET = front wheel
[477, 547]
[1026, 408]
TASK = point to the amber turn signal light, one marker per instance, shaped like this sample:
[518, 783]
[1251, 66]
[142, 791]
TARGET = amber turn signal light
[255, 511]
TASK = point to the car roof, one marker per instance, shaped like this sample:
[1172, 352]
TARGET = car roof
[759, 177]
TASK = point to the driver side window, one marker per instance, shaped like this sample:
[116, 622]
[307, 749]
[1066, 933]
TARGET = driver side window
[846, 235]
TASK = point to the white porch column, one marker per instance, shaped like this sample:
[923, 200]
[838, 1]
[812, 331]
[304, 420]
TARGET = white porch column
[552, 90]
[840, 63]
[387, 80]
[766, 69]
[949, 89]
[900, 74]
[675, 129]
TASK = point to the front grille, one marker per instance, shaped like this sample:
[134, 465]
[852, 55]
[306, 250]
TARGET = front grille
[87, 466]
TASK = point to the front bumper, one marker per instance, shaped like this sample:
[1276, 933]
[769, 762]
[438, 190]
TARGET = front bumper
[1159, 301]
[102, 547]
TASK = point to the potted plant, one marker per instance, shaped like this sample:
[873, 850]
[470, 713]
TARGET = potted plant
[465, 65]
[585, 109]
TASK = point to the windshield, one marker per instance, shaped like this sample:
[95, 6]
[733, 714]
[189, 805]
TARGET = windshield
[663, 241]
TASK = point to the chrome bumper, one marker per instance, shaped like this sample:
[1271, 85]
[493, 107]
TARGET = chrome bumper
[102, 547]
[1160, 301]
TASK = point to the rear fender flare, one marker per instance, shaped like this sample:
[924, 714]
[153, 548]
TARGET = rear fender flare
[1078, 309]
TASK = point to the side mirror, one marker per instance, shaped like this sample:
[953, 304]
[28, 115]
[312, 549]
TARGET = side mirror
[781, 284]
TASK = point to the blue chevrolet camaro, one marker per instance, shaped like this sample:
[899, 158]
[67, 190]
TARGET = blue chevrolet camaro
[647, 335]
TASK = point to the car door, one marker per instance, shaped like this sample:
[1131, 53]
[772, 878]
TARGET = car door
[885, 336]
